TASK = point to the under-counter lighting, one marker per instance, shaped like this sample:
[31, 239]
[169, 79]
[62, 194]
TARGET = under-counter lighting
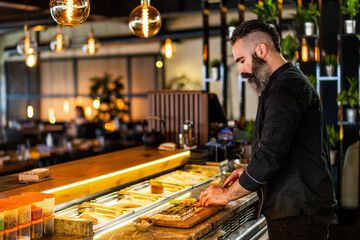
[183, 154]
[30, 111]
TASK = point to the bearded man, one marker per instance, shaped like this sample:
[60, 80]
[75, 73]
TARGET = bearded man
[290, 163]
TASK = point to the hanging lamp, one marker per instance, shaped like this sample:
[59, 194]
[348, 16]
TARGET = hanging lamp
[60, 42]
[26, 45]
[304, 51]
[145, 20]
[168, 49]
[69, 13]
[92, 44]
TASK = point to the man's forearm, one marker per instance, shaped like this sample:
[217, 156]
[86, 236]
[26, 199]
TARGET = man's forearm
[236, 191]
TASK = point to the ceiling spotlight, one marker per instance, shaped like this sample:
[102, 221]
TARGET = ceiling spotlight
[60, 42]
[91, 45]
[69, 13]
[145, 20]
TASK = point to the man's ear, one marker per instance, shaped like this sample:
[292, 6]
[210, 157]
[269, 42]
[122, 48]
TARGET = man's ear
[261, 50]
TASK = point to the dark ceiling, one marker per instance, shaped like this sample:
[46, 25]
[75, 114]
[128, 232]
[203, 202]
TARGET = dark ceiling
[13, 14]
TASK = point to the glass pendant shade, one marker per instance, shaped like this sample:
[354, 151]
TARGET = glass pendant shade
[27, 44]
[69, 13]
[91, 45]
[145, 20]
[60, 42]
[168, 49]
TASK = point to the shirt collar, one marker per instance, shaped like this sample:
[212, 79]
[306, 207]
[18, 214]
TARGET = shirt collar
[278, 71]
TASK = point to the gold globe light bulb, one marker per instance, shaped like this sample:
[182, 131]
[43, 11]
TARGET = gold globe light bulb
[25, 44]
[60, 42]
[145, 20]
[92, 44]
[69, 13]
[168, 49]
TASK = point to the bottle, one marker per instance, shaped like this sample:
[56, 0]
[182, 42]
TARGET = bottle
[181, 140]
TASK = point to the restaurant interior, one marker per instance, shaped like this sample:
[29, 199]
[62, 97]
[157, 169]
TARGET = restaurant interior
[102, 83]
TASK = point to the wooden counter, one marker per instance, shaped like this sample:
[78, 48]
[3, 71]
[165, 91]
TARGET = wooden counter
[87, 176]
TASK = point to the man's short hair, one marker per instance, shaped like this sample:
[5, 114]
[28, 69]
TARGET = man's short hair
[248, 27]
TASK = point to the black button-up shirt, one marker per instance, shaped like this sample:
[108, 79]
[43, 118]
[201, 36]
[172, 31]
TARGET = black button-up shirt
[290, 149]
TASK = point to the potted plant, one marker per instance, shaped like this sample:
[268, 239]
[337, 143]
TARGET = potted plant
[308, 16]
[333, 136]
[215, 69]
[232, 25]
[113, 106]
[350, 97]
[351, 8]
[266, 10]
[330, 64]
[289, 46]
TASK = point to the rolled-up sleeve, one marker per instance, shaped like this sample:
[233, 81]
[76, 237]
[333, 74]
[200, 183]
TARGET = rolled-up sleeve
[282, 114]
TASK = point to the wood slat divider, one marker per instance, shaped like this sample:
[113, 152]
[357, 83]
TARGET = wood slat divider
[176, 107]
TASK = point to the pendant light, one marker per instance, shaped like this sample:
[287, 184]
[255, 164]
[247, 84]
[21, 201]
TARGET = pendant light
[30, 111]
[60, 42]
[168, 49]
[69, 13]
[145, 20]
[91, 45]
[31, 58]
[26, 45]
[304, 51]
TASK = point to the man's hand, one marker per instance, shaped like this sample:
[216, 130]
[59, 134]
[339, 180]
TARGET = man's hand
[213, 195]
[233, 177]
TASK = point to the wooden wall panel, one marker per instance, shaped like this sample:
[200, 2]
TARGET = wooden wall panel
[176, 107]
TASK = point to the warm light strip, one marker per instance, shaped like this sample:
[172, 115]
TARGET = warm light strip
[117, 173]
[91, 47]
[145, 27]
[70, 9]
[59, 42]
[117, 226]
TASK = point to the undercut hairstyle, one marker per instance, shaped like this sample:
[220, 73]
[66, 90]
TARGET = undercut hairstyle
[256, 26]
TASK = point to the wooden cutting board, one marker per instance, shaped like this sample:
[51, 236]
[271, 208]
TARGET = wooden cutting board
[188, 223]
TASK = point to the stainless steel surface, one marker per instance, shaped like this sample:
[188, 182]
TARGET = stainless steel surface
[249, 230]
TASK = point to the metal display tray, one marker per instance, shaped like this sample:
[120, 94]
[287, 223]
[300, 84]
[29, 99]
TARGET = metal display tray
[138, 193]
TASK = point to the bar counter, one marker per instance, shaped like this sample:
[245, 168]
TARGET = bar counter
[91, 175]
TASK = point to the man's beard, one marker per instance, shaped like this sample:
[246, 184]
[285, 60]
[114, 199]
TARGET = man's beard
[260, 75]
